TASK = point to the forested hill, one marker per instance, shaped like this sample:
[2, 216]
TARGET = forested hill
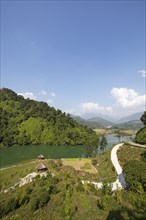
[25, 121]
[141, 134]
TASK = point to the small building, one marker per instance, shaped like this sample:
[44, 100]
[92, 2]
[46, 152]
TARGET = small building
[41, 167]
[41, 157]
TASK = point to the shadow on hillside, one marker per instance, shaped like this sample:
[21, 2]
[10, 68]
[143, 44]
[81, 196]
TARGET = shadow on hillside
[115, 215]
[118, 215]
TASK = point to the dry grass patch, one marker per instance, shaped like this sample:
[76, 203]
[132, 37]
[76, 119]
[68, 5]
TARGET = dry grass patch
[126, 153]
[112, 131]
[103, 131]
[80, 164]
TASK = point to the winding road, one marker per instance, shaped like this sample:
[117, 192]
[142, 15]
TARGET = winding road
[120, 182]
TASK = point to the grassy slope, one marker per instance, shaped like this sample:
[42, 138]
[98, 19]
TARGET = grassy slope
[127, 152]
[80, 164]
[84, 201]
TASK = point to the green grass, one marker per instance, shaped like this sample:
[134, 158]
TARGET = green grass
[105, 167]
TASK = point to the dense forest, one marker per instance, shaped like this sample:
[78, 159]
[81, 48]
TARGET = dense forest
[25, 121]
[141, 134]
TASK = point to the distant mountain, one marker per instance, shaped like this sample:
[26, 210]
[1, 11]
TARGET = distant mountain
[88, 116]
[102, 121]
[130, 125]
[132, 117]
[99, 122]
[88, 123]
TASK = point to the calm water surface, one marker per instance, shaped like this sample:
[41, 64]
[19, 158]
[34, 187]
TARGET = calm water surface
[17, 154]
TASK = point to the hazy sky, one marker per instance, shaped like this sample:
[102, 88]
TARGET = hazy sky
[79, 56]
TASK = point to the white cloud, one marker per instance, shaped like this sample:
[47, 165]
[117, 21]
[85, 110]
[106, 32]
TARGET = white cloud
[43, 92]
[89, 107]
[94, 108]
[29, 95]
[143, 73]
[52, 94]
[128, 98]
[72, 111]
[49, 101]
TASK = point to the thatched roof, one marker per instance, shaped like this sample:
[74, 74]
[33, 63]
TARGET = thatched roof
[41, 157]
[41, 166]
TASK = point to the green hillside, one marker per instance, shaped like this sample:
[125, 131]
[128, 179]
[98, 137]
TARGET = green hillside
[25, 121]
[103, 122]
[130, 125]
[99, 123]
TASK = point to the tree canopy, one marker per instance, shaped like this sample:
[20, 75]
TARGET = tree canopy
[143, 118]
[103, 143]
[25, 121]
[135, 174]
[141, 134]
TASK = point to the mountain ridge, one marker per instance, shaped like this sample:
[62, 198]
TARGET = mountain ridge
[131, 117]
[100, 123]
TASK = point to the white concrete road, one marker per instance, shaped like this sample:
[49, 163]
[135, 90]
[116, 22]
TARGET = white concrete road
[120, 182]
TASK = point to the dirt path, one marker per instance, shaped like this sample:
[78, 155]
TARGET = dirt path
[27, 179]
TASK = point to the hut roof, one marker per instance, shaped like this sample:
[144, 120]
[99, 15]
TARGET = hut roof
[41, 166]
[40, 156]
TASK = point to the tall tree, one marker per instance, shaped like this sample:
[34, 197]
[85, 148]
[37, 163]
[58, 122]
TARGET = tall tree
[143, 118]
[92, 146]
[103, 143]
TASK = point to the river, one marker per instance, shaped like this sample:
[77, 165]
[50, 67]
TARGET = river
[17, 154]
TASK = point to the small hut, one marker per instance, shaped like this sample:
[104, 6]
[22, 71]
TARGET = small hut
[41, 167]
[41, 157]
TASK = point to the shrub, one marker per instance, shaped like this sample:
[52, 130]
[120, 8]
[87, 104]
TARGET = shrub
[34, 204]
[9, 206]
[43, 199]
[106, 189]
[94, 162]
[24, 200]
[86, 166]
[135, 174]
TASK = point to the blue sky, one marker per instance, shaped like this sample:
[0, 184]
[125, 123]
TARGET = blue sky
[79, 56]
